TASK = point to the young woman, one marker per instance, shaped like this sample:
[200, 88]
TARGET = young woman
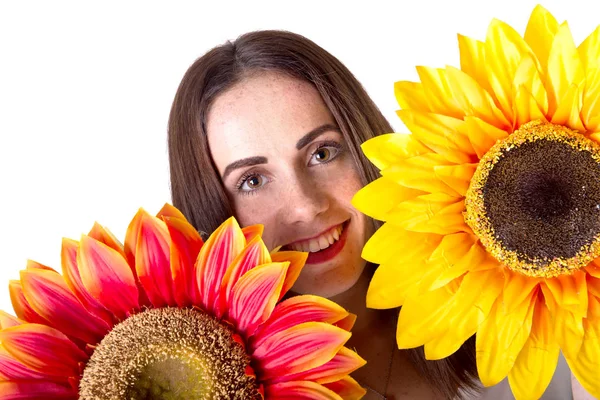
[268, 128]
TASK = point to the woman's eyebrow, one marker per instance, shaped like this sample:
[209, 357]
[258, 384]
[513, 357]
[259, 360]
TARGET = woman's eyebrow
[312, 135]
[244, 162]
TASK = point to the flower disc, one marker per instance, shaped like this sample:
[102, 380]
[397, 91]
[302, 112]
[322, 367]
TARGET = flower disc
[535, 200]
[169, 353]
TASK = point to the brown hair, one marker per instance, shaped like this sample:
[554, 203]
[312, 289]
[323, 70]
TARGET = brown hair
[196, 186]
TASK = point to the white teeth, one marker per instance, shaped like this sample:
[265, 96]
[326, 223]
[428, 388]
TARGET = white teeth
[319, 243]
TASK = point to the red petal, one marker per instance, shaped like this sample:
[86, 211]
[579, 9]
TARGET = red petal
[36, 390]
[47, 293]
[219, 251]
[105, 236]
[7, 320]
[20, 304]
[152, 261]
[300, 390]
[11, 369]
[131, 237]
[70, 272]
[168, 211]
[347, 388]
[300, 348]
[250, 232]
[297, 260]
[107, 277]
[255, 295]
[255, 253]
[185, 246]
[43, 349]
[297, 310]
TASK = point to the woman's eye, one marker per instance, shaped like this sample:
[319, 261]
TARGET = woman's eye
[324, 154]
[252, 182]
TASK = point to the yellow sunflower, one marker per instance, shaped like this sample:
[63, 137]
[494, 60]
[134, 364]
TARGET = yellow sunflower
[492, 207]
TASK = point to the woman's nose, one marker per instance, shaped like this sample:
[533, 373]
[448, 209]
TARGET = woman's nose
[303, 201]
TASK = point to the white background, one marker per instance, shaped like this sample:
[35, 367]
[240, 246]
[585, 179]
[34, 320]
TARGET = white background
[85, 92]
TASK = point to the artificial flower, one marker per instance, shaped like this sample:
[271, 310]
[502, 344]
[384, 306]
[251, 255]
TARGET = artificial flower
[169, 316]
[492, 207]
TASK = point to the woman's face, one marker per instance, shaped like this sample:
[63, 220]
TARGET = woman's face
[284, 164]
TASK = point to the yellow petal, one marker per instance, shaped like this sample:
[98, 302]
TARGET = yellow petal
[539, 34]
[458, 177]
[438, 92]
[474, 100]
[528, 75]
[440, 133]
[567, 113]
[391, 282]
[501, 338]
[517, 287]
[586, 366]
[418, 173]
[411, 96]
[504, 50]
[570, 292]
[470, 306]
[379, 197]
[590, 103]
[568, 326]
[564, 67]
[526, 109]
[589, 50]
[393, 242]
[472, 60]
[536, 363]
[433, 213]
[389, 149]
[482, 135]
[451, 267]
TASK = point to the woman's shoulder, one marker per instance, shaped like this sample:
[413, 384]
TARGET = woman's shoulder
[558, 389]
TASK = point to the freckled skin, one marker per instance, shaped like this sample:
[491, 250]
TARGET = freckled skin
[298, 196]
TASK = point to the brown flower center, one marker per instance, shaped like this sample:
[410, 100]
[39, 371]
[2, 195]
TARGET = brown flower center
[534, 200]
[169, 353]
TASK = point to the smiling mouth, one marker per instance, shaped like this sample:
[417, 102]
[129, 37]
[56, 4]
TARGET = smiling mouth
[323, 247]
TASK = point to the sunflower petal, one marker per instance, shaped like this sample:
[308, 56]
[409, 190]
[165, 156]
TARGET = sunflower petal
[36, 390]
[43, 349]
[469, 308]
[528, 76]
[501, 338]
[411, 96]
[379, 197]
[536, 363]
[70, 272]
[388, 149]
[458, 177]
[568, 326]
[587, 364]
[11, 369]
[452, 263]
[347, 323]
[438, 92]
[299, 348]
[431, 213]
[254, 296]
[297, 310]
[219, 251]
[564, 69]
[570, 292]
[517, 288]
[107, 277]
[296, 260]
[482, 135]
[540, 32]
[48, 294]
[419, 173]
[567, 113]
[440, 133]
[300, 390]
[20, 304]
[7, 320]
[251, 231]
[589, 50]
[590, 106]
[343, 363]
[105, 236]
[170, 212]
[472, 60]
[347, 388]
[526, 108]
[185, 246]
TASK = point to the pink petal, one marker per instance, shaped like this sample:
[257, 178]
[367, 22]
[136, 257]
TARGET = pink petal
[185, 246]
[221, 248]
[36, 265]
[343, 363]
[105, 236]
[43, 349]
[152, 261]
[168, 211]
[48, 294]
[20, 304]
[131, 237]
[296, 310]
[11, 369]
[70, 272]
[297, 260]
[347, 388]
[255, 253]
[252, 231]
[107, 277]
[300, 390]
[7, 320]
[36, 390]
[300, 348]
[255, 295]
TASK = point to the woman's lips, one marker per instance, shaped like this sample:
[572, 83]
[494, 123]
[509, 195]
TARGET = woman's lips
[324, 247]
